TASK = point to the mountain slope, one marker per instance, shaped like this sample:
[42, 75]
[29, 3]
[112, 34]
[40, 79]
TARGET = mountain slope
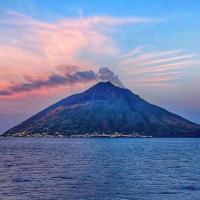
[105, 108]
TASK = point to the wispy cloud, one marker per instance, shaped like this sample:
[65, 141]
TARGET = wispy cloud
[161, 67]
[146, 56]
[169, 59]
[133, 52]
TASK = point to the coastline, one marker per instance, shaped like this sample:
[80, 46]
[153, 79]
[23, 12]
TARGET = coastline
[95, 135]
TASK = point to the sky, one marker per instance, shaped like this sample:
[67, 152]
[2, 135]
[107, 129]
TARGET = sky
[51, 49]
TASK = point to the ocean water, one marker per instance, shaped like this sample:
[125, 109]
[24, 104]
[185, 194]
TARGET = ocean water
[101, 168]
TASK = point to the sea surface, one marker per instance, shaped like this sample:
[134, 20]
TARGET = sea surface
[101, 168]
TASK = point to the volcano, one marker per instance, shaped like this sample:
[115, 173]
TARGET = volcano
[106, 109]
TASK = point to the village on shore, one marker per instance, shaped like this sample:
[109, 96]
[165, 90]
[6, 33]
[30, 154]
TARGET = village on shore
[76, 135]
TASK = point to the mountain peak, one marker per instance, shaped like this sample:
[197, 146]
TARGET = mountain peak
[104, 90]
[105, 84]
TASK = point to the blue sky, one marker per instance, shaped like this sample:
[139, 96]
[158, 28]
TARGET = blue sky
[180, 27]
[152, 45]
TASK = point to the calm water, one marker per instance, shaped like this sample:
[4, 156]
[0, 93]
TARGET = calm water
[105, 169]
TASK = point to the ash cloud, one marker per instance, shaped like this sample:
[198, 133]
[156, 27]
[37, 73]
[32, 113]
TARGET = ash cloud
[66, 78]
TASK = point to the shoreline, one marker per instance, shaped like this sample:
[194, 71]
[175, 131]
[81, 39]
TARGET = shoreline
[78, 136]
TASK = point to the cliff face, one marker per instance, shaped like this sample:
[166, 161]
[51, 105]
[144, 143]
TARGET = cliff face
[105, 108]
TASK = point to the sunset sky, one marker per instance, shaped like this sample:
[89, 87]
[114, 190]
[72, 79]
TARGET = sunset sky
[50, 49]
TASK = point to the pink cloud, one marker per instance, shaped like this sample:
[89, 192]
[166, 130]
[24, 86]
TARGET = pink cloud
[29, 46]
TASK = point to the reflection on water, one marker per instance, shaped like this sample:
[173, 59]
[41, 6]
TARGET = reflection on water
[101, 168]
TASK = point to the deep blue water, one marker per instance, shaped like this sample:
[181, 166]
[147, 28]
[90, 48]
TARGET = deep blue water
[103, 169]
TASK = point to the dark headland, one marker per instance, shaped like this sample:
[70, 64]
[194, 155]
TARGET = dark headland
[105, 110]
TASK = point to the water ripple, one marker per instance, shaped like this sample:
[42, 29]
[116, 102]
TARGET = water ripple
[99, 169]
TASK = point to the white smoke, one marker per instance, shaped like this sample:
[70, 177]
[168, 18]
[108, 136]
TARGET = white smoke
[105, 74]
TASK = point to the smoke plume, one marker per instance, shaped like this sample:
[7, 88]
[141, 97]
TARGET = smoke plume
[66, 78]
[105, 74]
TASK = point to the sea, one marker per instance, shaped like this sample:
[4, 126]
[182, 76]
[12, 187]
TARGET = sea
[99, 169]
